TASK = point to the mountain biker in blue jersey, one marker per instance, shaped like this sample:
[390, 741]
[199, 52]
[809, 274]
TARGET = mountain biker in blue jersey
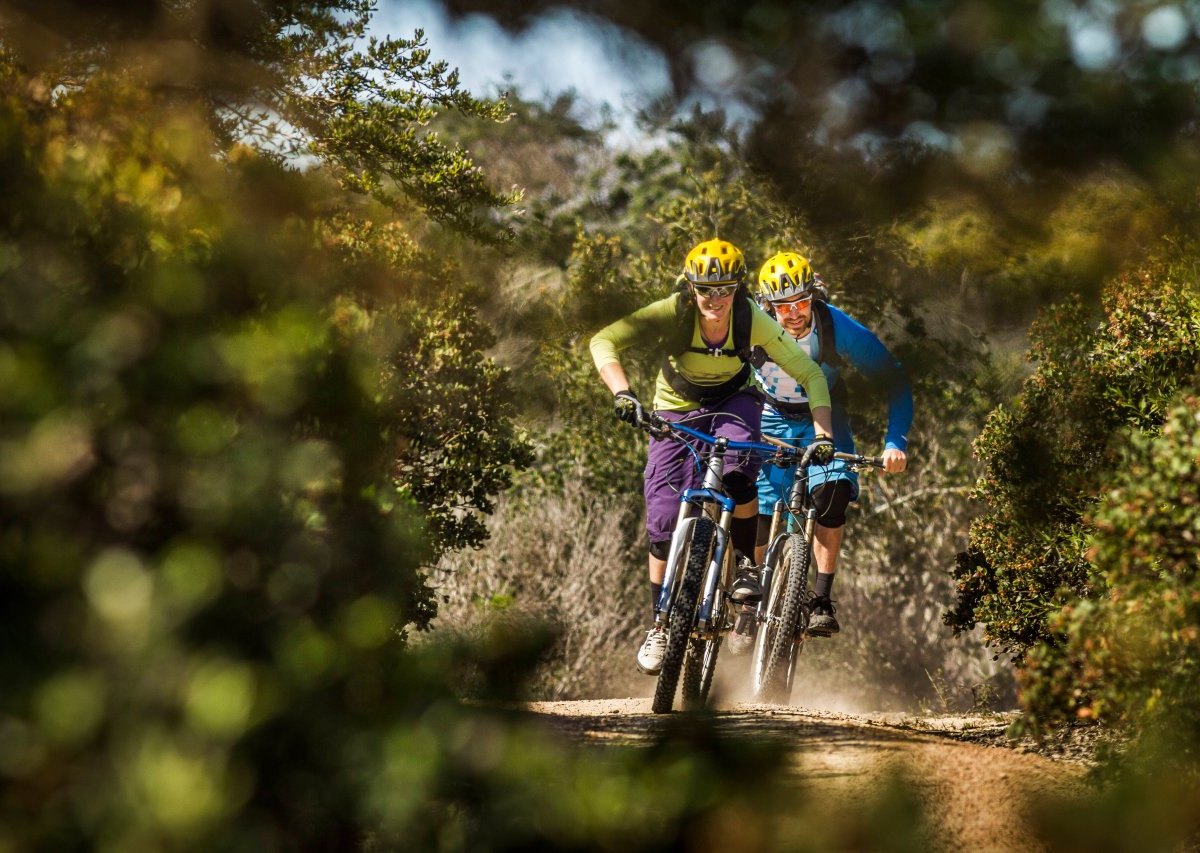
[789, 290]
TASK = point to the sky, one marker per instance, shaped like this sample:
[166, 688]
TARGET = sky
[562, 50]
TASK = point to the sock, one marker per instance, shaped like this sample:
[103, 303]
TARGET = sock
[655, 592]
[824, 585]
[743, 532]
[764, 530]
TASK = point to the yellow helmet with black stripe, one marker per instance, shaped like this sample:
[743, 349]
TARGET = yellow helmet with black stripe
[784, 276]
[715, 262]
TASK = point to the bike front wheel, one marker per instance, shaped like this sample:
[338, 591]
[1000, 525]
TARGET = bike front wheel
[700, 663]
[683, 615]
[781, 637]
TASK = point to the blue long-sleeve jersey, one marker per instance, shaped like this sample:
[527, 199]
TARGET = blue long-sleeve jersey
[859, 348]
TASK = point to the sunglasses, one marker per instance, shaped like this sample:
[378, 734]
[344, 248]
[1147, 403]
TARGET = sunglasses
[720, 291]
[789, 307]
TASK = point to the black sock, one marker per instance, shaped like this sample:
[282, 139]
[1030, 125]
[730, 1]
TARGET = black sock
[823, 588]
[655, 592]
[743, 532]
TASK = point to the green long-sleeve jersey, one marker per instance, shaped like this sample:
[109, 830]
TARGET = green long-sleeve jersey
[653, 323]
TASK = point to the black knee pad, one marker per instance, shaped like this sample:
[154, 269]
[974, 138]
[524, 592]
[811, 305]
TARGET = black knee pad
[830, 498]
[741, 488]
[660, 550]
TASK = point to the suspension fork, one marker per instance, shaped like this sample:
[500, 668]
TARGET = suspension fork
[684, 522]
[713, 474]
[689, 513]
[783, 521]
[712, 577]
[768, 571]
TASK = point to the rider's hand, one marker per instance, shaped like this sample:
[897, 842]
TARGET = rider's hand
[822, 450]
[628, 408]
[894, 461]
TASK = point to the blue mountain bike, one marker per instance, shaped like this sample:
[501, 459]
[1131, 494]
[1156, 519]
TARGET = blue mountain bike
[694, 605]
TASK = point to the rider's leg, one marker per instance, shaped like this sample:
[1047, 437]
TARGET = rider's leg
[658, 569]
[830, 499]
[743, 530]
[775, 482]
[827, 542]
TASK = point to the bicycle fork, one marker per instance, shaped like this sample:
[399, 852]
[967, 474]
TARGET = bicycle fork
[777, 539]
[692, 503]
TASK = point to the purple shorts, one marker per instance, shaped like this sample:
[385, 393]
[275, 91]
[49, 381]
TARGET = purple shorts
[671, 467]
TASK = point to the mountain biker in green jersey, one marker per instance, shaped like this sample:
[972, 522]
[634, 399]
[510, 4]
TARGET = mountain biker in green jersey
[790, 291]
[705, 332]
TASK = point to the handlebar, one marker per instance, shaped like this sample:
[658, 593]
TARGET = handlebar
[779, 453]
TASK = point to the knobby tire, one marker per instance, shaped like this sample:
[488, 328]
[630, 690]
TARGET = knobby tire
[698, 667]
[781, 657]
[764, 640]
[683, 615]
[700, 662]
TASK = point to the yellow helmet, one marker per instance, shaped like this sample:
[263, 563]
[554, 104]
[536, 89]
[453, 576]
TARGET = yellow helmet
[715, 262]
[785, 275]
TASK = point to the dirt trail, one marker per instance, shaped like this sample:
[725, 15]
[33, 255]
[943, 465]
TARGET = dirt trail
[976, 793]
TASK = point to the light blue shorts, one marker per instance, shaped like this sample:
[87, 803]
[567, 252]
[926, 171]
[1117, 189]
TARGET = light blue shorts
[774, 482]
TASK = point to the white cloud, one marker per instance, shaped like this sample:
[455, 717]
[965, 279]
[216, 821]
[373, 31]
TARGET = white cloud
[561, 50]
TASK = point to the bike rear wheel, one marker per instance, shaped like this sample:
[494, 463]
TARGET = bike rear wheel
[781, 637]
[683, 615]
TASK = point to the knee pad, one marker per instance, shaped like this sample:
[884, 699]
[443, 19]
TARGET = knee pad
[741, 488]
[831, 498]
[660, 550]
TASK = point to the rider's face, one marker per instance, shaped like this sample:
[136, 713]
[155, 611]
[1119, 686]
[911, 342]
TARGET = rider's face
[795, 315]
[713, 307]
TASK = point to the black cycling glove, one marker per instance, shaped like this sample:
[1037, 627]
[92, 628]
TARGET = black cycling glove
[628, 408]
[822, 450]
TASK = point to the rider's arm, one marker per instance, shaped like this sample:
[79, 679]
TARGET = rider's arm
[613, 375]
[862, 350]
[644, 326]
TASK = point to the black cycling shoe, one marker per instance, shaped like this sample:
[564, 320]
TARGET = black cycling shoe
[821, 621]
[746, 587]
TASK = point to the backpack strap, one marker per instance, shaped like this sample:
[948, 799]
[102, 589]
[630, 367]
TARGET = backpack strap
[823, 318]
[685, 327]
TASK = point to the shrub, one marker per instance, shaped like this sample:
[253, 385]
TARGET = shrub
[1050, 456]
[1132, 654]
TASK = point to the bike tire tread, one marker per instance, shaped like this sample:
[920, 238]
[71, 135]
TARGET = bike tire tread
[682, 616]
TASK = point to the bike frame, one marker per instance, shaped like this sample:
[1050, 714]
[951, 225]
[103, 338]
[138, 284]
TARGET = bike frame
[709, 497]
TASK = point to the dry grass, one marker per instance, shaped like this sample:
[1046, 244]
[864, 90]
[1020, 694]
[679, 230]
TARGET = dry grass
[568, 559]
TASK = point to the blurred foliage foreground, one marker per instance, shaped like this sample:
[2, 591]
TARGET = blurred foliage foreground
[221, 468]
[221, 472]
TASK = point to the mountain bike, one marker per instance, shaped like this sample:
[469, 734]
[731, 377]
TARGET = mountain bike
[783, 612]
[694, 603]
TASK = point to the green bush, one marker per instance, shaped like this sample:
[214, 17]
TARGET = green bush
[1049, 455]
[1132, 655]
[1052, 455]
